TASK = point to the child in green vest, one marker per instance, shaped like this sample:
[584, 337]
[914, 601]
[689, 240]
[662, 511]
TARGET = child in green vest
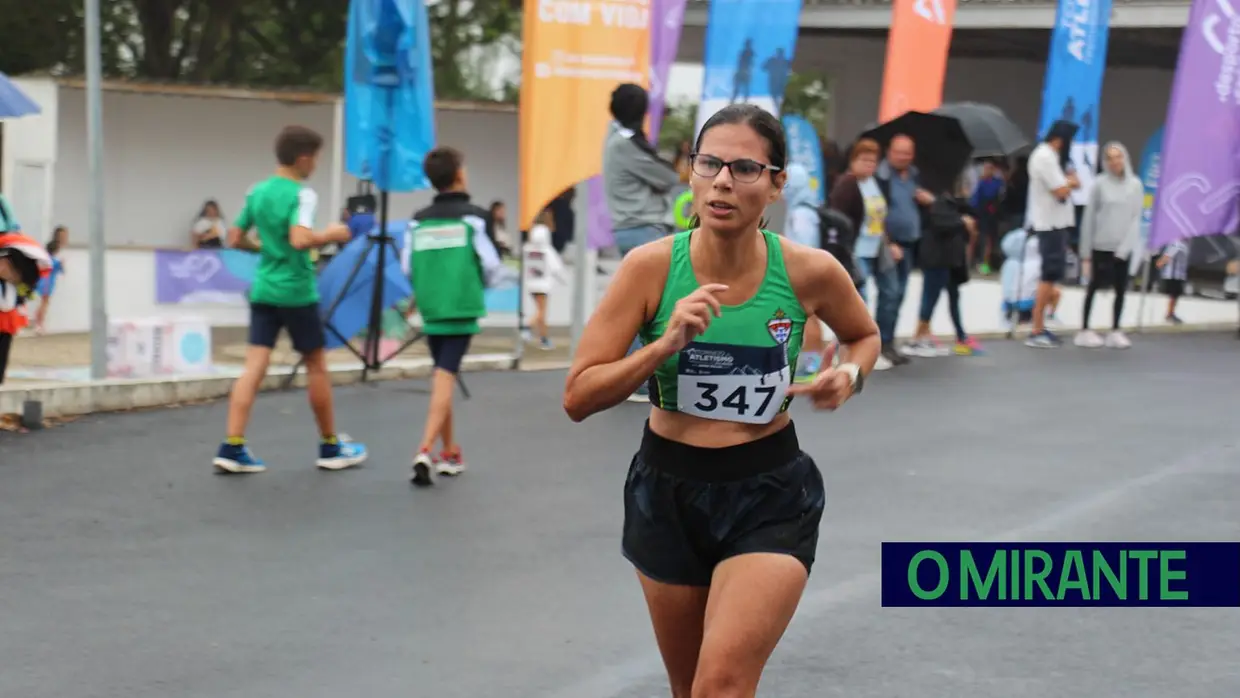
[285, 296]
[451, 256]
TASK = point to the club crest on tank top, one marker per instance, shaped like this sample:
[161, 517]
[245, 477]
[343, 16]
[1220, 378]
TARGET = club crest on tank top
[740, 369]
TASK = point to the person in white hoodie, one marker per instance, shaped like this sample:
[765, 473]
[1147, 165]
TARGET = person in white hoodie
[543, 268]
[1110, 235]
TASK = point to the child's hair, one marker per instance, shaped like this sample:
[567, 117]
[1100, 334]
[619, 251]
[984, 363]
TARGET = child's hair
[53, 245]
[442, 165]
[296, 142]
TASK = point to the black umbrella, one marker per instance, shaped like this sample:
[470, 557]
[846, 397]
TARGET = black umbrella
[942, 147]
[990, 131]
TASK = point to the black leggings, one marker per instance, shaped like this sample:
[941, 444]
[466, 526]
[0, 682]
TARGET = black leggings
[1107, 270]
[6, 343]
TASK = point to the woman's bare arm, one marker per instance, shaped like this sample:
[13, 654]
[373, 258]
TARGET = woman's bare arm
[601, 376]
[827, 291]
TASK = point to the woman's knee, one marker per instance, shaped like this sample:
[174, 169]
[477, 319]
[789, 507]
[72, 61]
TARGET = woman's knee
[722, 679]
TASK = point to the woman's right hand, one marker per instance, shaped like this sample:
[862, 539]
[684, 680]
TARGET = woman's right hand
[691, 316]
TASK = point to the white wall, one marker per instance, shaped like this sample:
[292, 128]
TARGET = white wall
[30, 145]
[165, 155]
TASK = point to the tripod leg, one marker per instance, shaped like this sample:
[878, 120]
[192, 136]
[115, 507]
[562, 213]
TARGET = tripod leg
[292, 376]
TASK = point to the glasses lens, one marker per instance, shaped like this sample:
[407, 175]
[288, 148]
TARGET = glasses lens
[706, 166]
[746, 170]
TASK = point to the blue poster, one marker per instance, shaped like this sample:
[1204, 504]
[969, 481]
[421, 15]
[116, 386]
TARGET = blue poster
[749, 49]
[805, 149]
[389, 94]
[1149, 173]
[1073, 86]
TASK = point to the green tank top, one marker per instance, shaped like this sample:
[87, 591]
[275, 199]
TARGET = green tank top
[740, 369]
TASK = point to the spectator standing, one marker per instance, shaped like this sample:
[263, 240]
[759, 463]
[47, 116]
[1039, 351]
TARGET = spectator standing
[47, 284]
[858, 196]
[985, 200]
[1110, 234]
[1173, 268]
[637, 182]
[897, 176]
[209, 229]
[1050, 217]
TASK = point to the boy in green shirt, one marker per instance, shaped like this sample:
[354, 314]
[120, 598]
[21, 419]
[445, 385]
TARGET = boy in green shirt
[285, 296]
[450, 258]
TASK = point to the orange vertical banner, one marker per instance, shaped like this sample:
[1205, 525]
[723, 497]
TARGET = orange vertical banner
[917, 46]
[575, 53]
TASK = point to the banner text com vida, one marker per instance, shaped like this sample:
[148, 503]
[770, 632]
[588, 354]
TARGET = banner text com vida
[624, 14]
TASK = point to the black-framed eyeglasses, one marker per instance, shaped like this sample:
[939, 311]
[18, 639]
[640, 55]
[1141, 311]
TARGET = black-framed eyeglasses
[744, 170]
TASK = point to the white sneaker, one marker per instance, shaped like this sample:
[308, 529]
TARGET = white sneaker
[1118, 340]
[423, 468]
[1088, 339]
[882, 364]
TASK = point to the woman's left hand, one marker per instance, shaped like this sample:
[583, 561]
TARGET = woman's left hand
[831, 388]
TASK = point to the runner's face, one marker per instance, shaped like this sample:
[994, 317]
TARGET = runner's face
[724, 203]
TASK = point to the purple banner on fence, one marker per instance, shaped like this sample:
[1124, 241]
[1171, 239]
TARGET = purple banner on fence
[668, 16]
[204, 276]
[1199, 190]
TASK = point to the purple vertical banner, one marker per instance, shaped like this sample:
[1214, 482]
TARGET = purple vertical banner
[667, 17]
[1199, 190]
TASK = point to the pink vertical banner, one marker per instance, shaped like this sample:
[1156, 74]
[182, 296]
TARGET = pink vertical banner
[668, 17]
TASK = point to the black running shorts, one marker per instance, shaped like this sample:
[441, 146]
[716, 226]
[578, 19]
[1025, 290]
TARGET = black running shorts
[686, 509]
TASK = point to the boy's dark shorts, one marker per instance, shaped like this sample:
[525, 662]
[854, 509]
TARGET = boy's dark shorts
[1053, 246]
[687, 509]
[1174, 288]
[305, 328]
[447, 350]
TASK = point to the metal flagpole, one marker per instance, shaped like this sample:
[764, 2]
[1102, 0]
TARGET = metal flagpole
[583, 272]
[94, 140]
[1145, 291]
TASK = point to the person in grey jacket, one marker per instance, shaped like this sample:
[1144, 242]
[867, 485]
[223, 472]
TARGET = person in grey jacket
[1110, 235]
[638, 183]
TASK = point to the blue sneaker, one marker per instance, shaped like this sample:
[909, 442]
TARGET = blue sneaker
[341, 455]
[237, 459]
[1044, 340]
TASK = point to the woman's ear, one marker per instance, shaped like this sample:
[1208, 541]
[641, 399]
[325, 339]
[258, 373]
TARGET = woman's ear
[779, 180]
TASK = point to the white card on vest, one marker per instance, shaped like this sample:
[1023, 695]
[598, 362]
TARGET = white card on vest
[732, 383]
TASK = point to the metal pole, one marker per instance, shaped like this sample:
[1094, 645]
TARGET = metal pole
[94, 140]
[582, 273]
[1145, 292]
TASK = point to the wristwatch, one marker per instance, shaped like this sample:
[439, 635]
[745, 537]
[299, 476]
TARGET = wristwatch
[855, 376]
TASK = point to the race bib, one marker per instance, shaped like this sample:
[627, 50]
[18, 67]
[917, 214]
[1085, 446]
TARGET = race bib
[733, 383]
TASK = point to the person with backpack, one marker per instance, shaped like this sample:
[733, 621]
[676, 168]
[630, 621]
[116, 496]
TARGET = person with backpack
[950, 232]
[813, 225]
[858, 196]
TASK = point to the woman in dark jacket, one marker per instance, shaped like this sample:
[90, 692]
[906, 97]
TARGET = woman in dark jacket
[943, 255]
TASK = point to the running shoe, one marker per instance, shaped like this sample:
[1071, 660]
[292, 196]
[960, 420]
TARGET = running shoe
[423, 469]
[1088, 339]
[926, 348]
[341, 455]
[1044, 340]
[237, 459]
[969, 347]
[545, 344]
[1174, 320]
[1118, 340]
[882, 364]
[450, 464]
[895, 357]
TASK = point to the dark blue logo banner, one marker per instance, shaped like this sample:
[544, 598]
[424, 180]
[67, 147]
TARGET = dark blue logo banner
[1061, 574]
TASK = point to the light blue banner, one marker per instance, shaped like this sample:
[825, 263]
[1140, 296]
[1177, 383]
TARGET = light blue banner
[805, 149]
[389, 108]
[1151, 168]
[1073, 88]
[749, 49]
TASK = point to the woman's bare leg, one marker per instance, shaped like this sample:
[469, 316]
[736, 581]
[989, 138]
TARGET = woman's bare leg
[752, 600]
[678, 614]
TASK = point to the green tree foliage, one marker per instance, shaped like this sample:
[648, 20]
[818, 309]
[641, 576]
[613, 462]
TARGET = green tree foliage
[809, 95]
[296, 43]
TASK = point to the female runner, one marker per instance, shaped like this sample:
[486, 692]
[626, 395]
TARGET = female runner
[721, 506]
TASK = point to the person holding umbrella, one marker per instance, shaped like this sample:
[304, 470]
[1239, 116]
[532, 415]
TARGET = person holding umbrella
[1051, 218]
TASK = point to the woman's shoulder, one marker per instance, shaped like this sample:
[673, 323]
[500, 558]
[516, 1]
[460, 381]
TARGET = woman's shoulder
[654, 256]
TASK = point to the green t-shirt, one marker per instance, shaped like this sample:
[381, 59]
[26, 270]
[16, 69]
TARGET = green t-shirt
[285, 275]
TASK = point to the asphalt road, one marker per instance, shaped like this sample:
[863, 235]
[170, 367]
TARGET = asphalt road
[128, 569]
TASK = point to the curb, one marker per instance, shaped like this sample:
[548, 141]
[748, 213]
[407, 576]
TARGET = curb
[120, 394]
